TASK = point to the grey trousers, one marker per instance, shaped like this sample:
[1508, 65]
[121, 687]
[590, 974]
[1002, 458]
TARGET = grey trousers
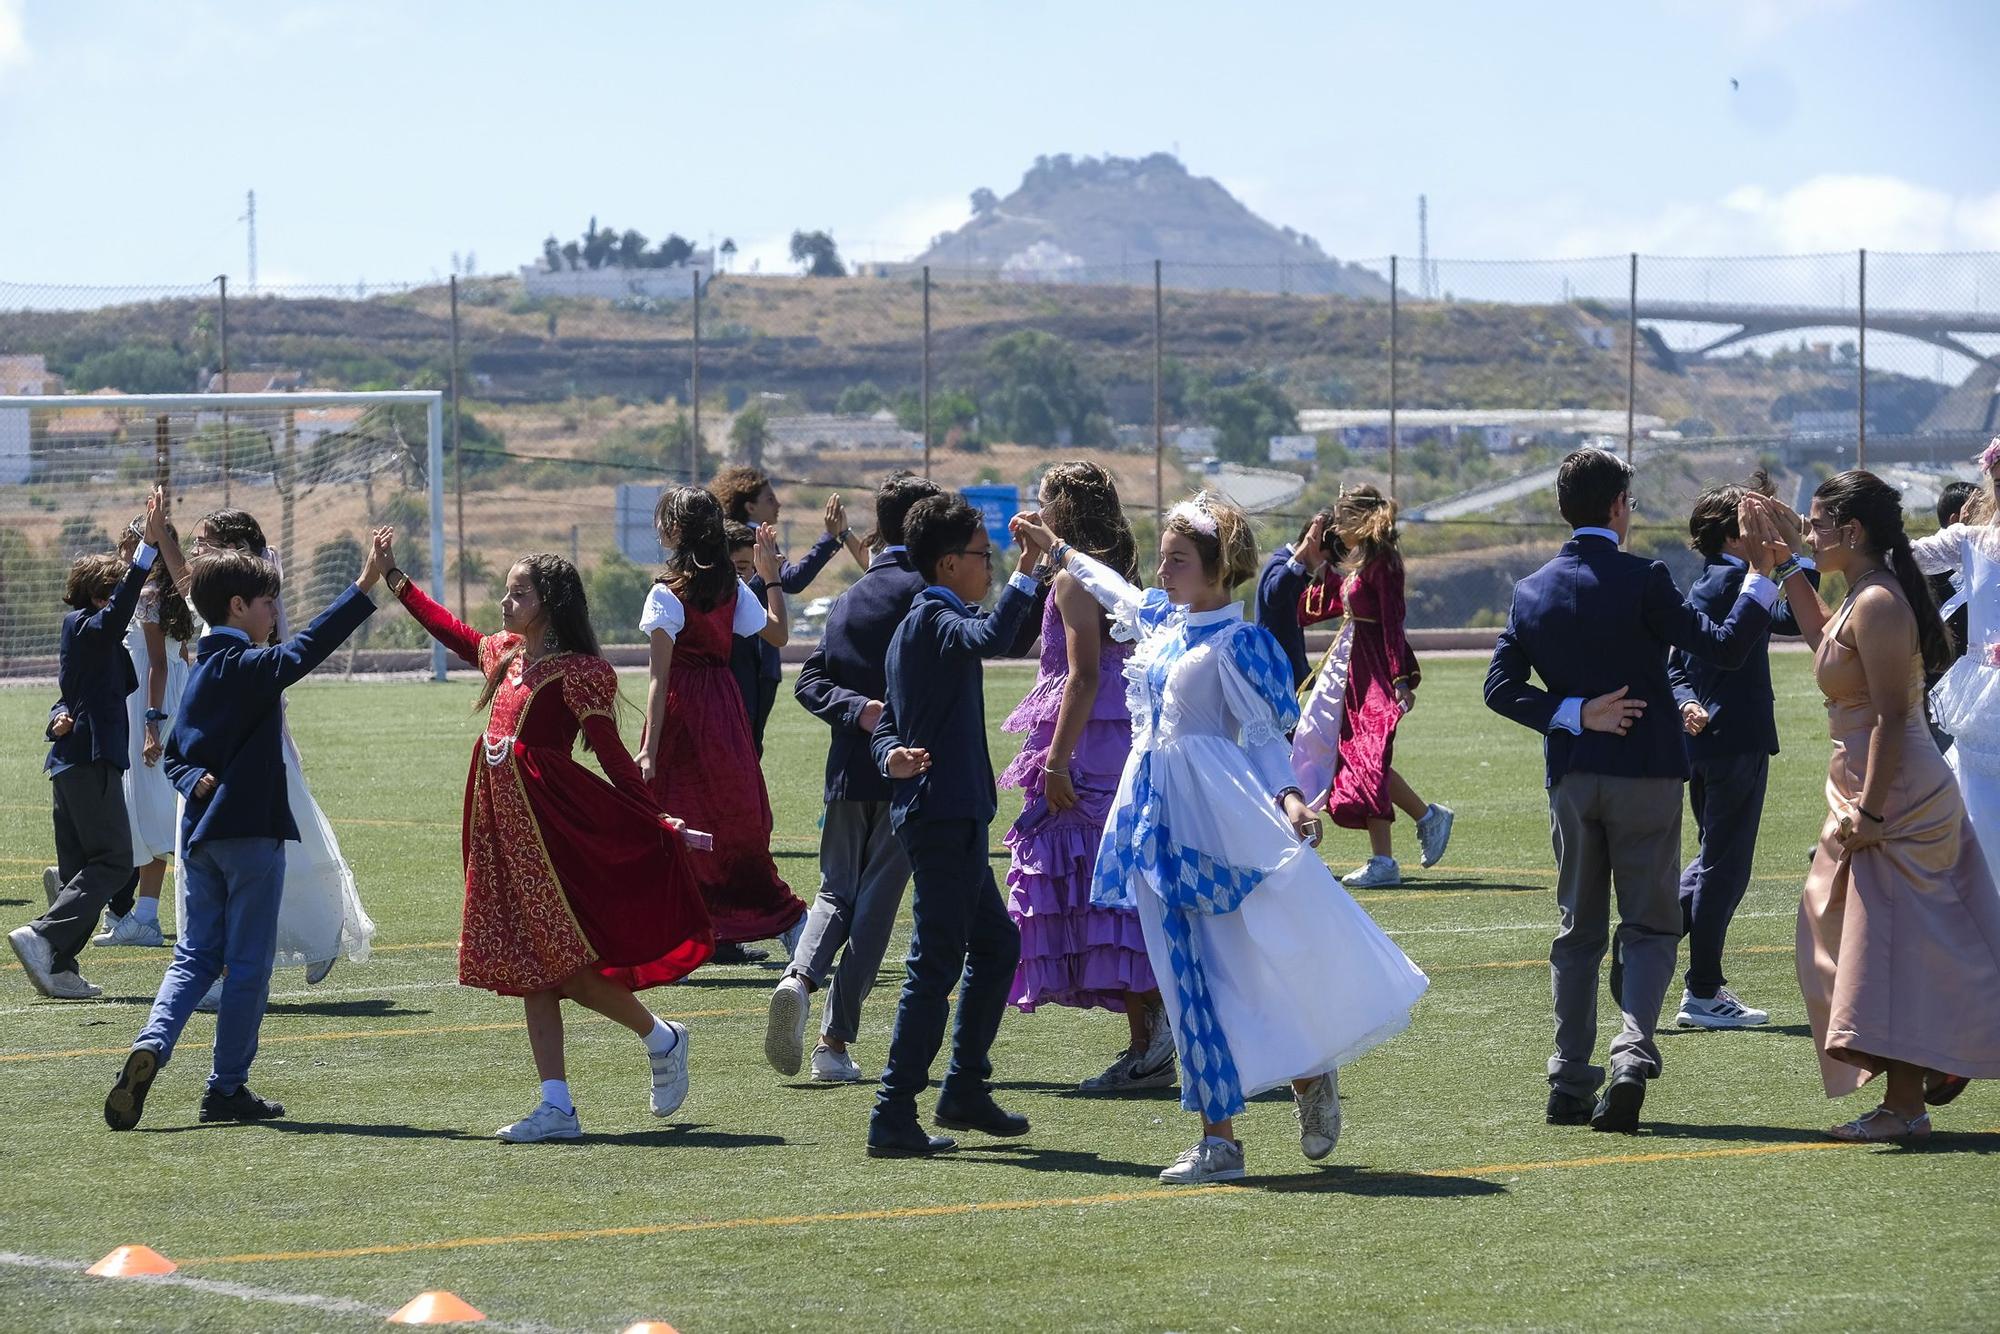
[93, 857]
[1619, 835]
[863, 871]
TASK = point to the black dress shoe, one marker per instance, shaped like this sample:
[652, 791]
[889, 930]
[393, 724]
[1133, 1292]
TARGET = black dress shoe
[1567, 1109]
[905, 1139]
[127, 1100]
[735, 953]
[980, 1113]
[1618, 1109]
[242, 1105]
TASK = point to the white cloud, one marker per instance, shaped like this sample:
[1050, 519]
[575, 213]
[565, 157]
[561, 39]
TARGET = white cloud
[13, 34]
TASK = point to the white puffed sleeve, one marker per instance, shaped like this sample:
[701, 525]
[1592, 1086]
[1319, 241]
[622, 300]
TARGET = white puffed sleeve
[751, 614]
[1256, 685]
[1943, 551]
[663, 612]
[1135, 612]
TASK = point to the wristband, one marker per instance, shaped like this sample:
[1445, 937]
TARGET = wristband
[396, 579]
[1786, 570]
[1284, 792]
[1059, 553]
[157, 716]
[1868, 814]
[845, 535]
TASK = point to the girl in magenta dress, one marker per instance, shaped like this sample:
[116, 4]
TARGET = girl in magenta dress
[1079, 733]
[1366, 683]
[696, 749]
[576, 887]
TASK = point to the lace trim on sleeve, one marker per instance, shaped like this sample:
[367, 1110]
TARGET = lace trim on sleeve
[1943, 551]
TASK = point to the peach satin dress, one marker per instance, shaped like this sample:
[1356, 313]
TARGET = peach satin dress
[1898, 944]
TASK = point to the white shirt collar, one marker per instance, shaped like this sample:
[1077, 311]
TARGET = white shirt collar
[1739, 564]
[1605, 533]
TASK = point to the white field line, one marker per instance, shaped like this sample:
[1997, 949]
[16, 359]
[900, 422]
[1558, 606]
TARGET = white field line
[1549, 926]
[243, 1292]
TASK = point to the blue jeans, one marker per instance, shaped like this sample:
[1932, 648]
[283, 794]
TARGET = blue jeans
[229, 920]
[1727, 795]
[958, 925]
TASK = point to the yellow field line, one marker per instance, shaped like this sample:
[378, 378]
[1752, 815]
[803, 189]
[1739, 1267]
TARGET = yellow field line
[976, 1207]
[100, 960]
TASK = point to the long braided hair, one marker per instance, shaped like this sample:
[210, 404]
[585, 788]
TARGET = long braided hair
[567, 608]
[699, 571]
[1878, 507]
[1080, 505]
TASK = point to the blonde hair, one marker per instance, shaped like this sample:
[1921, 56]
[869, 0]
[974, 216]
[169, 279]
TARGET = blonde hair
[1373, 516]
[1226, 542]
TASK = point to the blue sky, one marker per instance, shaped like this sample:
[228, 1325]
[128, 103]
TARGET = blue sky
[382, 138]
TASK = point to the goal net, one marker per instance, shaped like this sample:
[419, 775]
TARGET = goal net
[316, 470]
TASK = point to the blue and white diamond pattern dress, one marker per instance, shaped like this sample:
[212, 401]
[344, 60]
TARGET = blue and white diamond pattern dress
[1270, 970]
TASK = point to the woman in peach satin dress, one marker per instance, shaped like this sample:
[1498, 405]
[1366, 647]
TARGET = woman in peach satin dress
[1899, 924]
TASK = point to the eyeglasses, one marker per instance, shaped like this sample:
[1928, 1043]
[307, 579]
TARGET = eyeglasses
[984, 553]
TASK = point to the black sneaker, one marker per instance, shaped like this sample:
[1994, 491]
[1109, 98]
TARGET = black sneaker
[1567, 1109]
[980, 1113]
[127, 1100]
[1618, 1109]
[896, 1137]
[242, 1105]
[734, 953]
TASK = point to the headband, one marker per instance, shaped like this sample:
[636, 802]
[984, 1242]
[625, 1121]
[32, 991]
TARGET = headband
[1989, 458]
[1195, 515]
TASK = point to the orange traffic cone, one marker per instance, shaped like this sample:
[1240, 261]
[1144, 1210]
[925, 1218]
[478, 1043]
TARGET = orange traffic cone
[132, 1262]
[651, 1327]
[435, 1308]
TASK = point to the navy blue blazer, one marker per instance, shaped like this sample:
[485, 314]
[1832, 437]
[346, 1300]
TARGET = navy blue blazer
[231, 725]
[850, 668]
[1278, 593]
[94, 674]
[1742, 715]
[936, 701]
[1596, 618]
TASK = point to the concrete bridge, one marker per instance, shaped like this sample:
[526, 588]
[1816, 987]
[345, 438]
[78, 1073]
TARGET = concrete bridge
[1936, 327]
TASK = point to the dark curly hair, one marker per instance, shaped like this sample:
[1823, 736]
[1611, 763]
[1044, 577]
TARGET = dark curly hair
[176, 619]
[234, 528]
[738, 487]
[567, 607]
[700, 572]
[91, 578]
[1080, 505]
[893, 499]
[1866, 499]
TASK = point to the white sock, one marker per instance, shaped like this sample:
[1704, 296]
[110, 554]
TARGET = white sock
[146, 910]
[662, 1039]
[555, 1092]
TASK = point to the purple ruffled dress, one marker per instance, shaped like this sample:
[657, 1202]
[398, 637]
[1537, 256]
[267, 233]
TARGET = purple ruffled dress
[1071, 953]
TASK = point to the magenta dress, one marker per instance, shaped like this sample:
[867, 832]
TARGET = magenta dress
[1071, 953]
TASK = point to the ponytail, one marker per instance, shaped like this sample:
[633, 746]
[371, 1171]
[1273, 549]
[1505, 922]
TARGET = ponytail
[1933, 635]
[1372, 516]
[1878, 507]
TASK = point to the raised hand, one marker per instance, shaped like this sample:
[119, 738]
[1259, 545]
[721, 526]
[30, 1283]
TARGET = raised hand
[1612, 713]
[1029, 530]
[1314, 555]
[836, 515]
[156, 518]
[908, 762]
[381, 557]
[764, 555]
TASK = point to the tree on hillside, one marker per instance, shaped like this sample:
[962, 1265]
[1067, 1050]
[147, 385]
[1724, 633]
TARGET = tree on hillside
[572, 252]
[984, 201]
[676, 249]
[817, 252]
[1033, 391]
[749, 434]
[1246, 416]
[859, 400]
[597, 245]
[552, 254]
[728, 251]
[631, 249]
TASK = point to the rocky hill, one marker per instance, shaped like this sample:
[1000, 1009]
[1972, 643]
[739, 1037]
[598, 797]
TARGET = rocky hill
[1105, 220]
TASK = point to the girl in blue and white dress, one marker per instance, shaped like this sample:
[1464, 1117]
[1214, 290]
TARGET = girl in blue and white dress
[1270, 972]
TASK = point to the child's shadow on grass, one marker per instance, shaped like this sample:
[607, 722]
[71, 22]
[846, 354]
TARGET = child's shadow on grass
[1768, 1030]
[689, 1135]
[1979, 1142]
[372, 1007]
[1346, 1180]
[1060, 1090]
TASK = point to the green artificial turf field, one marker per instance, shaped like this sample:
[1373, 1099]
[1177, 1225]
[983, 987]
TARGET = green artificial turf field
[1447, 1203]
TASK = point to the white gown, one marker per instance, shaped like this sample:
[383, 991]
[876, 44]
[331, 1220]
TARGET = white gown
[1966, 703]
[1269, 970]
[151, 805]
[320, 918]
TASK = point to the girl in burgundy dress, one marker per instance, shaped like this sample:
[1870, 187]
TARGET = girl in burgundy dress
[1366, 684]
[575, 887]
[696, 749]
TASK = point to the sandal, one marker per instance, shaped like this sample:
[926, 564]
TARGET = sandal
[1941, 1089]
[1882, 1125]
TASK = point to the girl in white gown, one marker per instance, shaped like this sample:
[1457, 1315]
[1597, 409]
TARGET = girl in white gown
[1966, 703]
[1270, 972]
[320, 919]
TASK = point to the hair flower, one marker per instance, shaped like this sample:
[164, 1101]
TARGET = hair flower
[1989, 458]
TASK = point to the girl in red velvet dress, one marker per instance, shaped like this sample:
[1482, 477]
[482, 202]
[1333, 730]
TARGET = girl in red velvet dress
[1381, 683]
[696, 748]
[574, 887]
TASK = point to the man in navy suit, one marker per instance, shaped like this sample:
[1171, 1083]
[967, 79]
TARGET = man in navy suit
[226, 757]
[862, 867]
[86, 764]
[931, 741]
[1283, 582]
[1595, 624]
[1732, 733]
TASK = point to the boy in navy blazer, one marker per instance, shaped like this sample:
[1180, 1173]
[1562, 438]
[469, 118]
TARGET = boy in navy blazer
[1732, 733]
[1283, 582]
[1595, 624]
[87, 761]
[931, 742]
[863, 869]
[226, 757]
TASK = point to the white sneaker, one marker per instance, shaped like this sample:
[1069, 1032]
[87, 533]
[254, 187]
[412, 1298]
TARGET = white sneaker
[211, 1001]
[129, 930]
[834, 1067]
[785, 1028]
[52, 884]
[71, 986]
[35, 955]
[1209, 1160]
[1378, 873]
[788, 939]
[316, 972]
[1434, 833]
[1723, 1010]
[545, 1122]
[1318, 1113]
[1148, 1067]
[670, 1074]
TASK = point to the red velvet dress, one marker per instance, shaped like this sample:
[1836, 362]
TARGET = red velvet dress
[1371, 599]
[708, 776]
[563, 869]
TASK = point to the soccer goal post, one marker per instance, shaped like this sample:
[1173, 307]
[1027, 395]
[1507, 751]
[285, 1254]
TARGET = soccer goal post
[317, 470]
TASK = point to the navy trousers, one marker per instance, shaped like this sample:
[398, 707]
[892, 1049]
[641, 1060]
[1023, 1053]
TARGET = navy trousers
[959, 926]
[1727, 796]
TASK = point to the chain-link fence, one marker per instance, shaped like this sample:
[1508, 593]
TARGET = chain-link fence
[1454, 385]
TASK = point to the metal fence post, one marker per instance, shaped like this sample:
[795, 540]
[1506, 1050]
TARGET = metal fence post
[1395, 336]
[924, 391]
[1631, 358]
[434, 459]
[457, 454]
[1861, 401]
[694, 391]
[222, 299]
[1159, 406]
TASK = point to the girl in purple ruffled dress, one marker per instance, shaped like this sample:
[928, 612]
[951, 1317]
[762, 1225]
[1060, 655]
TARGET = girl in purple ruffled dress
[1079, 733]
